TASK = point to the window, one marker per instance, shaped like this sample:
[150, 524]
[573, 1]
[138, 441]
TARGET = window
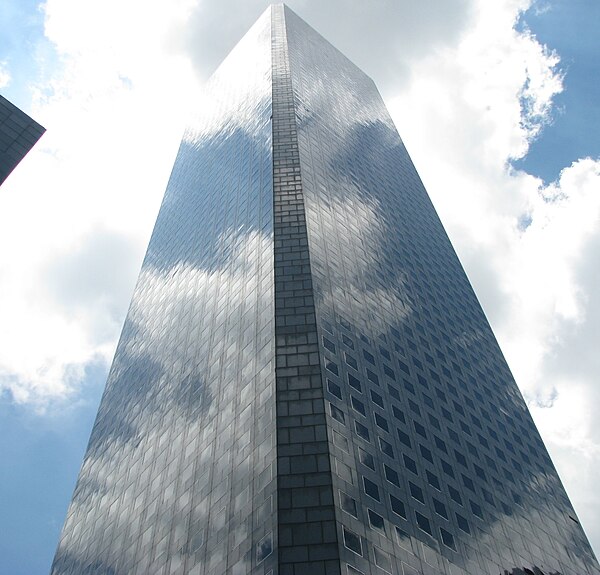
[376, 520]
[397, 506]
[398, 414]
[362, 431]
[440, 508]
[369, 357]
[423, 523]
[433, 480]
[341, 441]
[426, 453]
[350, 361]
[386, 447]
[454, 494]
[377, 399]
[352, 541]
[332, 367]
[371, 489]
[391, 475]
[462, 523]
[358, 405]
[334, 389]
[366, 459]
[420, 429]
[337, 413]
[476, 509]
[447, 539]
[329, 345]
[410, 464]
[264, 548]
[416, 492]
[404, 438]
[381, 422]
[355, 383]
[348, 504]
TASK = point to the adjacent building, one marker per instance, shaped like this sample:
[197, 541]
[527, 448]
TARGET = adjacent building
[18, 134]
[306, 382]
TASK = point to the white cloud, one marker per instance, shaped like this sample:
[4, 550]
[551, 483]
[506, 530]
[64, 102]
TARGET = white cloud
[114, 113]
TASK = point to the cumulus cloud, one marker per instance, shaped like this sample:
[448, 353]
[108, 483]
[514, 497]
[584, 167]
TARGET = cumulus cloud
[80, 208]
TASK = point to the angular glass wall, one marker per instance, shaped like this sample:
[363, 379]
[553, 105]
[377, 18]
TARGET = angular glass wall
[179, 475]
[437, 465]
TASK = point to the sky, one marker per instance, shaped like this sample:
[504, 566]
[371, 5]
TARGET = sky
[497, 102]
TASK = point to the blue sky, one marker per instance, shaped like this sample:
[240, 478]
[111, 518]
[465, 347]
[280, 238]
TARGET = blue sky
[77, 213]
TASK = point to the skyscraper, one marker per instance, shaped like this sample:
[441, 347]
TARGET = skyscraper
[18, 134]
[305, 382]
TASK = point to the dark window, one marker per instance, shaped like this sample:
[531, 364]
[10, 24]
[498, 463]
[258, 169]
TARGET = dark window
[368, 356]
[372, 377]
[410, 464]
[433, 480]
[462, 523]
[454, 494]
[337, 413]
[468, 482]
[327, 344]
[334, 389]
[376, 520]
[389, 372]
[420, 429]
[391, 475]
[366, 458]
[371, 489]
[398, 414]
[348, 341]
[355, 383]
[358, 405]
[447, 468]
[397, 506]
[348, 504]
[447, 538]
[377, 399]
[416, 492]
[386, 447]
[440, 444]
[352, 541]
[332, 367]
[350, 361]
[404, 438]
[362, 431]
[381, 422]
[423, 523]
[426, 453]
[440, 508]
[476, 509]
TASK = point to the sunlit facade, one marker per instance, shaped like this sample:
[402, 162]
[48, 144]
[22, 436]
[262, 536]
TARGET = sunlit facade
[305, 382]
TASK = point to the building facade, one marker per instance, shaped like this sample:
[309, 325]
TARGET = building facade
[18, 134]
[305, 382]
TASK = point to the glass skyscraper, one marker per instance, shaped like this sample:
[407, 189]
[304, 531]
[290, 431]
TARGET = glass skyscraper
[305, 382]
[18, 134]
